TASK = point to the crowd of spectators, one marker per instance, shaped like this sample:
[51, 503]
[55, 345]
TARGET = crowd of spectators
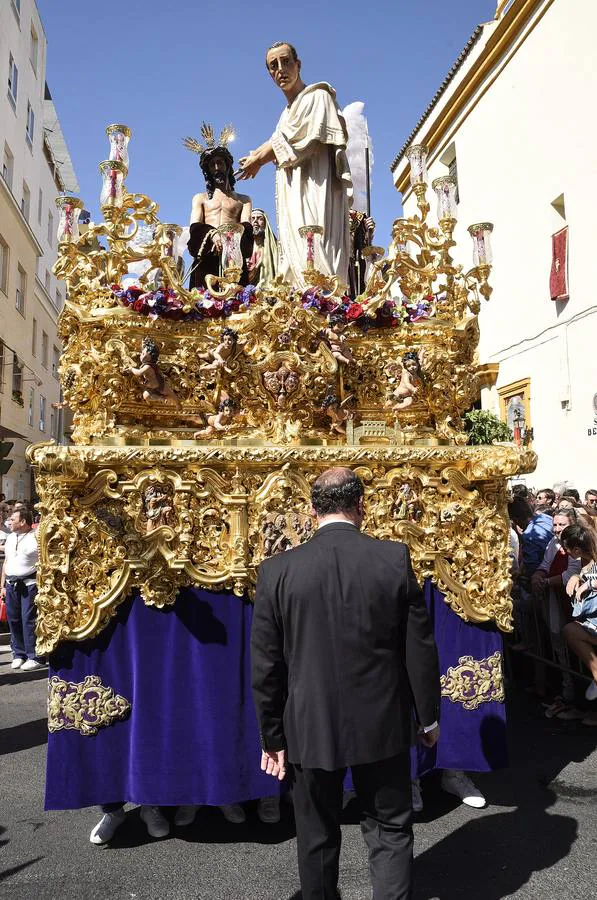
[553, 550]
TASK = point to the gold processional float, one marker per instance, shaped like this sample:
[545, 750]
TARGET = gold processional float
[191, 470]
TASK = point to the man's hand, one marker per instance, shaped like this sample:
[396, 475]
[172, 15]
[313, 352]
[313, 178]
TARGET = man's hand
[216, 241]
[249, 166]
[273, 762]
[430, 738]
[3, 593]
[370, 225]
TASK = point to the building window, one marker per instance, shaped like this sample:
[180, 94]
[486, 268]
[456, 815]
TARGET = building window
[33, 49]
[4, 261]
[21, 289]
[1, 365]
[53, 425]
[44, 350]
[55, 361]
[26, 201]
[34, 338]
[17, 379]
[58, 300]
[50, 228]
[47, 281]
[453, 171]
[42, 413]
[515, 409]
[40, 200]
[13, 81]
[16, 8]
[31, 406]
[30, 127]
[7, 166]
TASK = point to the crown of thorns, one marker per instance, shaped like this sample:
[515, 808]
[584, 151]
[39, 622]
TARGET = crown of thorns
[207, 133]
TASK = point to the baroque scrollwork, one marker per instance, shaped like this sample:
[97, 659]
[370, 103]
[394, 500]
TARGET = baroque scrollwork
[160, 518]
[474, 681]
[84, 706]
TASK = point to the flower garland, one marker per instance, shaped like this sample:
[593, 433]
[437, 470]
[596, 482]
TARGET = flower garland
[165, 304]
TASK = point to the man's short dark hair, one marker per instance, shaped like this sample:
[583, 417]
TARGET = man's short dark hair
[592, 491]
[25, 515]
[520, 510]
[520, 490]
[572, 494]
[335, 491]
[277, 44]
[551, 495]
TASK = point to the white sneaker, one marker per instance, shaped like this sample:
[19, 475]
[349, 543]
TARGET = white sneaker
[17, 663]
[157, 825]
[234, 813]
[106, 828]
[185, 815]
[268, 810]
[30, 665]
[591, 691]
[417, 797]
[455, 782]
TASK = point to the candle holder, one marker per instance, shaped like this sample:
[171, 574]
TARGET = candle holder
[119, 137]
[68, 222]
[232, 258]
[482, 255]
[112, 194]
[481, 235]
[308, 232]
[445, 191]
[417, 158]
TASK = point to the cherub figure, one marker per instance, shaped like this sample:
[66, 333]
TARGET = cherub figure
[334, 411]
[220, 421]
[223, 354]
[336, 339]
[150, 375]
[411, 381]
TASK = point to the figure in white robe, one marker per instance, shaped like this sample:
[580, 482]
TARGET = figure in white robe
[313, 183]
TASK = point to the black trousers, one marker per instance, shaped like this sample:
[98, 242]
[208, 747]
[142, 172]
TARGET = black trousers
[384, 793]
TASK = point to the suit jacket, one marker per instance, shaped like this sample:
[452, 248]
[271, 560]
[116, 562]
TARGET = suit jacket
[342, 650]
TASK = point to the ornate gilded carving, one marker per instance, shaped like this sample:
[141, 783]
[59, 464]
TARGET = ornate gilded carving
[84, 706]
[159, 518]
[474, 681]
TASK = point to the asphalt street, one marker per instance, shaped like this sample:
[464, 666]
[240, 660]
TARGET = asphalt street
[536, 839]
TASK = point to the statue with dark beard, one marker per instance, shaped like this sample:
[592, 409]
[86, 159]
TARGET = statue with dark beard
[218, 205]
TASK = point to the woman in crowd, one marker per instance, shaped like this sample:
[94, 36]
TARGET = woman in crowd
[549, 586]
[581, 543]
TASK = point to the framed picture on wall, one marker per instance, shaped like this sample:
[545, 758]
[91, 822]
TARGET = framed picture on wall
[515, 409]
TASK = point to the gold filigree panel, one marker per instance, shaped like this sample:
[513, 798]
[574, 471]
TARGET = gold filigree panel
[156, 519]
[84, 706]
[475, 681]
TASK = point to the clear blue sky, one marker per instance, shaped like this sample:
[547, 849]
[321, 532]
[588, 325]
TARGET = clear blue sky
[163, 67]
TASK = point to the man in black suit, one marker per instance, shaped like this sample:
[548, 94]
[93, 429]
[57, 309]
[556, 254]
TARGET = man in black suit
[342, 656]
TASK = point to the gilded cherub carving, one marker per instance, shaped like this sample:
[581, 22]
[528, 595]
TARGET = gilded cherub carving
[153, 380]
[410, 384]
[336, 339]
[223, 354]
[219, 422]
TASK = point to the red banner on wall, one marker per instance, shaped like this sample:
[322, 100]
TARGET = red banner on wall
[558, 279]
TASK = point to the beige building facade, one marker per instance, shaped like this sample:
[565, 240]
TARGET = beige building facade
[512, 121]
[36, 167]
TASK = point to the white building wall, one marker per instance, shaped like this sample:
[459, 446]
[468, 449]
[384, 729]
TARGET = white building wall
[520, 144]
[32, 243]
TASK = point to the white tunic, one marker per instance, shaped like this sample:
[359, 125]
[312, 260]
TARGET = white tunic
[313, 183]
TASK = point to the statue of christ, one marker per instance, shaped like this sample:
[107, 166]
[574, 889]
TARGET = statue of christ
[313, 183]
